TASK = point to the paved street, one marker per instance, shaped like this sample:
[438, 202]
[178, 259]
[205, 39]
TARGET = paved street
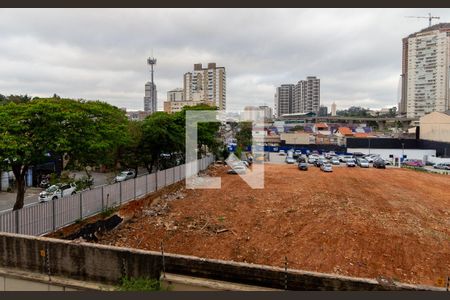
[7, 200]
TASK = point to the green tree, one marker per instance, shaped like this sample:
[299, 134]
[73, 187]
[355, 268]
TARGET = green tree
[160, 135]
[129, 153]
[244, 134]
[208, 133]
[29, 131]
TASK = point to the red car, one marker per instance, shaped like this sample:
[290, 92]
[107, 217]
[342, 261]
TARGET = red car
[413, 163]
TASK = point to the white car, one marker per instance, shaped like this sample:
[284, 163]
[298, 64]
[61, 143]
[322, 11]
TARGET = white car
[237, 169]
[124, 175]
[326, 167]
[57, 191]
[290, 160]
[350, 163]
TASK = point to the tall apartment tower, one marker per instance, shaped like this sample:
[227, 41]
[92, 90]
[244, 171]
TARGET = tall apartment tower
[307, 95]
[206, 85]
[303, 97]
[284, 99]
[150, 97]
[425, 71]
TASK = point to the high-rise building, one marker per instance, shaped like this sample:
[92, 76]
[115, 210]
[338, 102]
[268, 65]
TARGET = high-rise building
[303, 97]
[284, 99]
[206, 85]
[333, 109]
[425, 71]
[150, 98]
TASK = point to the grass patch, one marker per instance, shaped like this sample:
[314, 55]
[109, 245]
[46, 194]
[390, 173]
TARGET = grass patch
[108, 211]
[139, 284]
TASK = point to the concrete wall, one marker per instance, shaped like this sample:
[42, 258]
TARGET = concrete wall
[384, 153]
[435, 127]
[107, 264]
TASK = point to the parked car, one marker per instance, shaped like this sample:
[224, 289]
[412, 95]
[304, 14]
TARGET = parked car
[344, 158]
[358, 154]
[281, 153]
[413, 163]
[302, 158]
[237, 169]
[326, 167]
[124, 175]
[379, 163]
[303, 166]
[57, 191]
[335, 161]
[371, 157]
[290, 160]
[442, 166]
[350, 163]
[319, 162]
[312, 159]
[363, 163]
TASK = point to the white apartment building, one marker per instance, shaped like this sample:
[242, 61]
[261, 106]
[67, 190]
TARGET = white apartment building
[425, 71]
[206, 85]
[175, 95]
[303, 97]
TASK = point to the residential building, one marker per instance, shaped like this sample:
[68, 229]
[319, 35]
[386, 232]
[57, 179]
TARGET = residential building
[306, 96]
[303, 97]
[177, 106]
[425, 71]
[175, 95]
[262, 113]
[435, 127]
[206, 84]
[284, 99]
[137, 115]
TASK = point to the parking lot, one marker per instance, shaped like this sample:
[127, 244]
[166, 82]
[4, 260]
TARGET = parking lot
[357, 222]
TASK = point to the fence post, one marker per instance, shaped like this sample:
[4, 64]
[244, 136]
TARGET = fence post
[120, 192]
[17, 221]
[81, 206]
[156, 181]
[103, 200]
[53, 215]
[146, 184]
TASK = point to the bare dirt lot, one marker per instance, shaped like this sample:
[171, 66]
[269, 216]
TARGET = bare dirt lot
[357, 222]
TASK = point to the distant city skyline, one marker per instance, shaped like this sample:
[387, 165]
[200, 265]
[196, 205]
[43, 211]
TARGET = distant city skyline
[356, 53]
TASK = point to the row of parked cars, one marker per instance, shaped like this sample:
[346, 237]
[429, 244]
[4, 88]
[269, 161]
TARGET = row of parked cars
[330, 159]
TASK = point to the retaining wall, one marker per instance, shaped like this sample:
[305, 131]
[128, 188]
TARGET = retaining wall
[107, 264]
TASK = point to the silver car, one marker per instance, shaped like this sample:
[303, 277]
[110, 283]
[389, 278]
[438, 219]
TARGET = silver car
[57, 191]
[363, 163]
[326, 167]
[124, 175]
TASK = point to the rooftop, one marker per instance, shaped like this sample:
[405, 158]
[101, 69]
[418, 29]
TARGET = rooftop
[440, 26]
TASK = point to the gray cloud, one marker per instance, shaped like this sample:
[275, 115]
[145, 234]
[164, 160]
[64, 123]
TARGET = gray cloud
[101, 53]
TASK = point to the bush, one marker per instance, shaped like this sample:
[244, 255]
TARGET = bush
[106, 212]
[139, 284]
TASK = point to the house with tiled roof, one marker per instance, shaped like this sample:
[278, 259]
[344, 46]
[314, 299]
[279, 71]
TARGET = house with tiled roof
[342, 133]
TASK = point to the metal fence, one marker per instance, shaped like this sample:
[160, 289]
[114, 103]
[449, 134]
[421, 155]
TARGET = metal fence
[41, 218]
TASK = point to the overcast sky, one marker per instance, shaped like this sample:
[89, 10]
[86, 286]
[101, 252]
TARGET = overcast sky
[101, 53]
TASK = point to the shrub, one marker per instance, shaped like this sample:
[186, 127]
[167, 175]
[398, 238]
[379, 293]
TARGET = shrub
[139, 284]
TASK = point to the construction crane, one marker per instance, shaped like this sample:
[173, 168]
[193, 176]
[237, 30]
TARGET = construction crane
[430, 17]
